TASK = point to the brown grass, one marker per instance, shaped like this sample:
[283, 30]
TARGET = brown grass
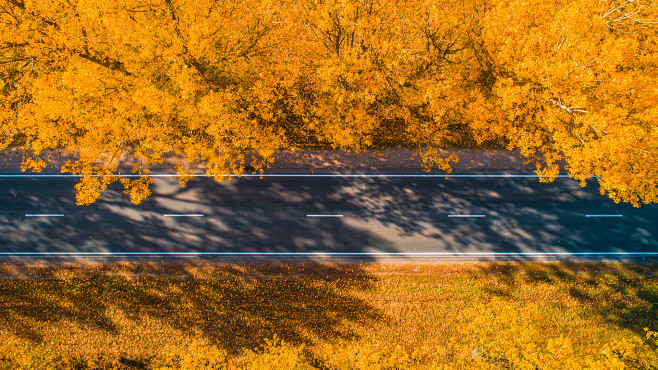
[316, 315]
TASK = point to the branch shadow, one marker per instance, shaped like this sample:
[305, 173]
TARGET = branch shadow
[381, 214]
[234, 305]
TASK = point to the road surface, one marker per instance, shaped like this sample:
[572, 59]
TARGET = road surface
[397, 217]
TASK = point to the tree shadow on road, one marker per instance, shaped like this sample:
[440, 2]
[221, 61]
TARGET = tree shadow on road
[381, 214]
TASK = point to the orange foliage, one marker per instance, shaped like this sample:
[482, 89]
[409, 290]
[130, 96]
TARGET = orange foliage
[572, 80]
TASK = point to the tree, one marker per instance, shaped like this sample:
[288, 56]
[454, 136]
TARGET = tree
[573, 80]
[100, 77]
[210, 80]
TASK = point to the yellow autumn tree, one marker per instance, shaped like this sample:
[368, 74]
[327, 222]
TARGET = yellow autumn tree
[102, 77]
[575, 80]
[210, 80]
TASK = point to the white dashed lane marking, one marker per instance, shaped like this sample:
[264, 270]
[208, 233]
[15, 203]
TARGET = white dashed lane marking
[185, 215]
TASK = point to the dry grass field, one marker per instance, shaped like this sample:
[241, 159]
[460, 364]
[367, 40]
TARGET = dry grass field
[203, 314]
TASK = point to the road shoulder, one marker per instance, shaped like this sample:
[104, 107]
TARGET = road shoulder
[322, 161]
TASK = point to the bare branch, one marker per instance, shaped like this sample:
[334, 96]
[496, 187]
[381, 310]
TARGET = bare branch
[612, 10]
[591, 63]
[113, 91]
[570, 110]
[595, 130]
[631, 15]
[559, 44]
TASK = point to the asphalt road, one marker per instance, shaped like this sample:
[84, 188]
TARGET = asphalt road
[327, 217]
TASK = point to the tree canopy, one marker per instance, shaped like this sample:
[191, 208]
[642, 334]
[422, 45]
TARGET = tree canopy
[211, 79]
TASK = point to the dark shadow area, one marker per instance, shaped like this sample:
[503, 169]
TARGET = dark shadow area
[241, 216]
[625, 294]
[233, 305]
[379, 214]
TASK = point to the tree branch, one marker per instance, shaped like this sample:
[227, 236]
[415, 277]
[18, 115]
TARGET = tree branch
[16, 3]
[559, 44]
[13, 60]
[109, 64]
[570, 110]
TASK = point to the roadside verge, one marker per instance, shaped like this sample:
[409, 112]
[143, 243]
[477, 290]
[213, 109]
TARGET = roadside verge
[323, 161]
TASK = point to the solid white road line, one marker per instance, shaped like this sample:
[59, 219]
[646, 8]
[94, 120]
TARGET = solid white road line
[465, 215]
[604, 215]
[43, 215]
[290, 175]
[419, 254]
[324, 215]
[185, 215]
